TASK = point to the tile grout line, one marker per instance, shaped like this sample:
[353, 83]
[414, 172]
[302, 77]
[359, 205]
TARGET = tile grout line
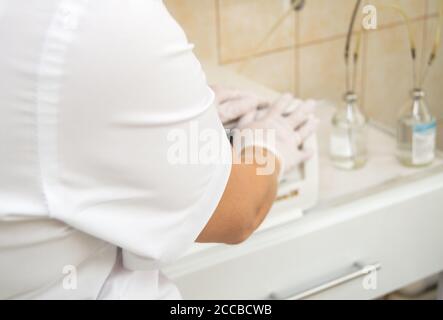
[319, 41]
[218, 31]
[257, 55]
[380, 28]
[364, 68]
[296, 54]
[424, 26]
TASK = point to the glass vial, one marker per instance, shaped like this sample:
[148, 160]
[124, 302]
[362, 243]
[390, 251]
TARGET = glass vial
[348, 141]
[416, 132]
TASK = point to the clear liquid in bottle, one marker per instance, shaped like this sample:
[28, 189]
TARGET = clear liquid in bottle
[348, 141]
[416, 133]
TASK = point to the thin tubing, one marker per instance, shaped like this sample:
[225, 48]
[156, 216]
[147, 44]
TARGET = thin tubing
[412, 43]
[295, 6]
[348, 42]
[356, 58]
[436, 46]
[266, 38]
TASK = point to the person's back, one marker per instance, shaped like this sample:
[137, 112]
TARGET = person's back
[35, 250]
[85, 109]
[113, 157]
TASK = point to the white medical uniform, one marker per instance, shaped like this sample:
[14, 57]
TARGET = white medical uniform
[90, 206]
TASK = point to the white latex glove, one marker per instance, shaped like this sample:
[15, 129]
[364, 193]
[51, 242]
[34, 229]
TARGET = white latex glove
[234, 104]
[290, 128]
[300, 108]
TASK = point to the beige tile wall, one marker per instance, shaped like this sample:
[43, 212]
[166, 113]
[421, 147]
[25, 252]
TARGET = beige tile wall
[305, 55]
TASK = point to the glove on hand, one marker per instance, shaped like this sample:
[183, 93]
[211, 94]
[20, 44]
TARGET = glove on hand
[283, 127]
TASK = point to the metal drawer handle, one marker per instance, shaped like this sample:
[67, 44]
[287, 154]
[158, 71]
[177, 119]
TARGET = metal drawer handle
[359, 270]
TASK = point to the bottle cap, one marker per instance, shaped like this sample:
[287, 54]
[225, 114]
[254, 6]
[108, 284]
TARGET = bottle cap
[350, 97]
[417, 93]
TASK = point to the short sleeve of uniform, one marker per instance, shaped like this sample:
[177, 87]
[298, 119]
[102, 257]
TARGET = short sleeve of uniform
[132, 149]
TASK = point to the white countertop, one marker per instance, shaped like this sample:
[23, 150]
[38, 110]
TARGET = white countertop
[381, 170]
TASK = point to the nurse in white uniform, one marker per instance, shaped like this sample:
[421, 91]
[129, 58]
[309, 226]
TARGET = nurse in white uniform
[90, 206]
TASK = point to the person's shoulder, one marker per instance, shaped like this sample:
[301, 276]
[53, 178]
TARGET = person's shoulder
[138, 47]
[143, 21]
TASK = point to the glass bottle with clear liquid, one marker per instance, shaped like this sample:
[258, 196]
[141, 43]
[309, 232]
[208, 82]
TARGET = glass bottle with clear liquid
[348, 141]
[416, 132]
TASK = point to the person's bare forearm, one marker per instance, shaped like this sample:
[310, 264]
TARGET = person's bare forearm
[246, 201]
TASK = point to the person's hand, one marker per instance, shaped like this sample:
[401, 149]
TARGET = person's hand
[234, 104]
[285, 126]
[292, 106]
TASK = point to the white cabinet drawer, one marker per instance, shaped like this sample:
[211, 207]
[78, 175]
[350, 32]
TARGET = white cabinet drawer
[406, 239]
